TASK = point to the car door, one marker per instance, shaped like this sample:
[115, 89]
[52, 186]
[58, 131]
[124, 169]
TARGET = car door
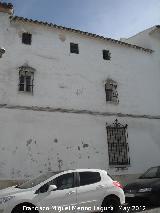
[63, 199]
[89, 191]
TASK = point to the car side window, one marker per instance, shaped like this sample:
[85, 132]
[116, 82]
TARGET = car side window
[87, 178]
[43, 189]
[152, 173]
[65, 181]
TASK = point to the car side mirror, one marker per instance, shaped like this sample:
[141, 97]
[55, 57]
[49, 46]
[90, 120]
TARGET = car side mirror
[52, 188]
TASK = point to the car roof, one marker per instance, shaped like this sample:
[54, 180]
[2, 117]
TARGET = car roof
[79, 170]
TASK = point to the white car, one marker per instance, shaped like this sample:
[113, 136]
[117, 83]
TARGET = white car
[79, 190]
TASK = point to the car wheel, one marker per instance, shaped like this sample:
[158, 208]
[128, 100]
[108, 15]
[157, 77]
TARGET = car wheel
[111, 205]
[25, 208]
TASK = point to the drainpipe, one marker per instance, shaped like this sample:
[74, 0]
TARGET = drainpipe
[2, 51]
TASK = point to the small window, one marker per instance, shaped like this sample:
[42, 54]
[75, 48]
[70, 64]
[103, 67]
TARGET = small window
[26, 78]
[27, 38]
[74, 48]
[111, 91]
[106, 55]
[109, 94]
[87, 178]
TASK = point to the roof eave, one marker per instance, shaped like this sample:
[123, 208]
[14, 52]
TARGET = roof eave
[17, 18]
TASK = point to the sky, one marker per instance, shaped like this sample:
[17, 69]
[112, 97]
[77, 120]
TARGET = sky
[110, 18]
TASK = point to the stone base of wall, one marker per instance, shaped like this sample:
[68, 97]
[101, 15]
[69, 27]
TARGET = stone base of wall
[7, 183]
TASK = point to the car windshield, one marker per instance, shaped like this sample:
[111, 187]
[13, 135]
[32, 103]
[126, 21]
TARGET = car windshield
[153, 172]
[35, 181]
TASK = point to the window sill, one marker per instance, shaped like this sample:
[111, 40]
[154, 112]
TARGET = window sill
[74, 53]
[25, 93]
[118, 167]
[112, 102]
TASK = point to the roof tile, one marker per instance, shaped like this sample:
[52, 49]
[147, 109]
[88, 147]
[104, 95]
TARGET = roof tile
[15, 18]
[6, 5]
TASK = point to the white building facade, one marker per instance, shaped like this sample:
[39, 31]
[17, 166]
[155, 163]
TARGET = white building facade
[71, 99]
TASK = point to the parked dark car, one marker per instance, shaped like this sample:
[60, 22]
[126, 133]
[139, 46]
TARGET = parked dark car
[145, 188]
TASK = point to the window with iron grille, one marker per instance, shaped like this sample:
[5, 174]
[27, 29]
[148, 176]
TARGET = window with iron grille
[26, 78]
[106, 55]
[27, 38]
[74, 48]
[118, 148]
[111, 91]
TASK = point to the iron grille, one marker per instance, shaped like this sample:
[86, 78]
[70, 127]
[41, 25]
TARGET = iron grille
[118, 148]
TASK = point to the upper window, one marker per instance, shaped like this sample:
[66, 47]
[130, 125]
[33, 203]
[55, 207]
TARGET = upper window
[106, 55]
[26, 78]
[74, 48]
[111, 91]
[87, 178]
[118, 149]
[27, 38]
[2, 51]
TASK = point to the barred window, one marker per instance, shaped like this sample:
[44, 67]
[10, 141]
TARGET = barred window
[2, 51]
[106, 55]
[27, 38]
[118, 148]
[26, 78]
[74, 48]
[111, 91]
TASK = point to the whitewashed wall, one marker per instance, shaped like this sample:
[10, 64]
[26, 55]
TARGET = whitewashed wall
[76, 81]
[32, 142]
[149, 38]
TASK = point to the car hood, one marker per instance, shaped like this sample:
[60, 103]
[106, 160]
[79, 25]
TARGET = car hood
[142, 183]
[10, 191]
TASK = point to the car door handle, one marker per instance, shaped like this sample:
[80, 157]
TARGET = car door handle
[100, 187]
[71, 192]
